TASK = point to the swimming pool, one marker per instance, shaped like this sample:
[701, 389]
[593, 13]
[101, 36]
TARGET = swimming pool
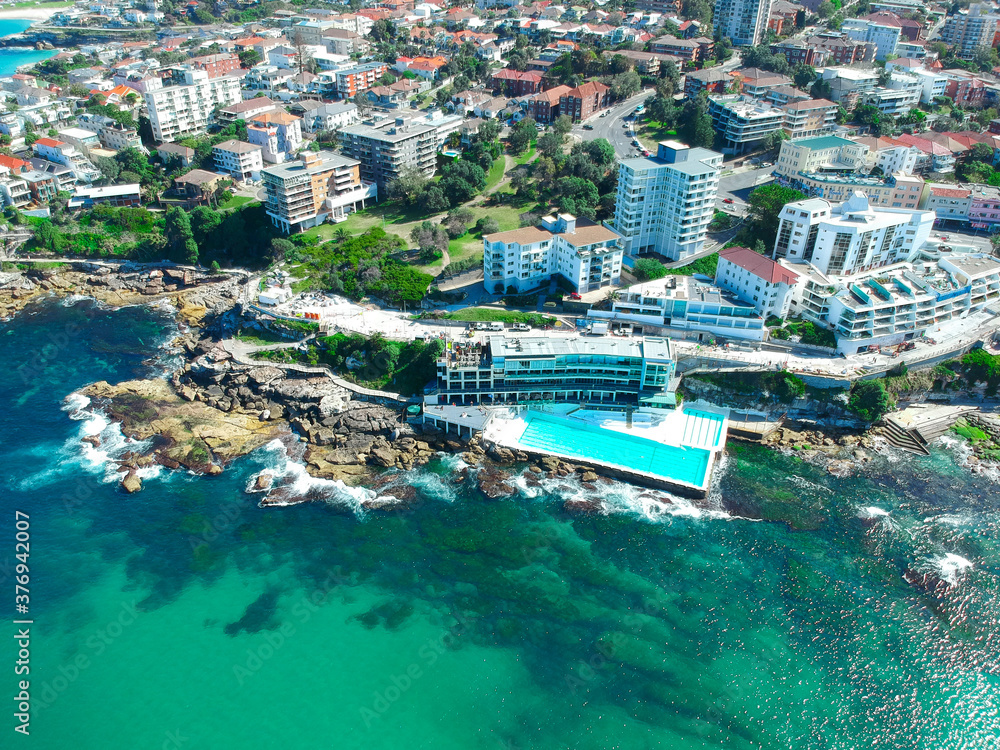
[702, 429]
[575, 439]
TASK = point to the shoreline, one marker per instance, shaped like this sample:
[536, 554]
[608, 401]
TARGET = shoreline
[34, 15]
[245, 405]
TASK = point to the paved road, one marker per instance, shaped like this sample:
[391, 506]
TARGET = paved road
[738, 185]
[610, 127]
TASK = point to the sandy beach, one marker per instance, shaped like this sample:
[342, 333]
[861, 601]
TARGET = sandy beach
[41, 13]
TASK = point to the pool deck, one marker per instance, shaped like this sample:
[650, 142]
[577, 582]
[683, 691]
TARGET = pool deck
[677, 429]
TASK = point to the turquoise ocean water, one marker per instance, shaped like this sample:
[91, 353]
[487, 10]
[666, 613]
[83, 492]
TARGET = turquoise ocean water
[12, 57]
[793, 610]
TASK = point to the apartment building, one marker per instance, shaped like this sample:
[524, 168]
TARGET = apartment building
[587, 255]
[665, 203]
[516, 82]
[514, 369]
[543, 107]
[890, 101]
[754, 278]
[743, 21]
[278, 133]
[971, 29]
[984, 208]
[898, 302]
[683, 308]
[218, 65]
[829, 153]
[14, 191]
[809, 118]
[246, 109]
[843, 239]
[329, 116]
[688, 50]
[884, 36]
[344, 42]
[848, 84]
[756, 83]
[352, 81]
[387, 146]
[581, 102]
[243, 161]
[187, 109]
[68, 155]
[743, 123]
[316, 187]
[109, 132]
[824, 49]
[948, 202]
[710, 80]
[889, 155]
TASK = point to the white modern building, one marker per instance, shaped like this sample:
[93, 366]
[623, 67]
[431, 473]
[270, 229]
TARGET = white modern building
[742, 122]
[517, 369]
[898, 302]
[850, 237]
[278, 133]
[743, 21]
[586, 254]
[829, 153]
[243, 161]
[69, 156]
[330, 117]
[683, 307]
[754, 278]
[187, 109]
[665, 203]
[885, 38]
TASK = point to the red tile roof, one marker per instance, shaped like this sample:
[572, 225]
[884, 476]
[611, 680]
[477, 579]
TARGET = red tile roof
[951, 192]
[759, 265]
[51, 142]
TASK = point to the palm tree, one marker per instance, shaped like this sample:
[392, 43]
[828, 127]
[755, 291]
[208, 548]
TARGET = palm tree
[342, 234]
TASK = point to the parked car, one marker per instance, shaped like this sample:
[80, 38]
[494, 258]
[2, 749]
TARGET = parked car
[635, 142]
[727, 200]
[520, 327]
[574, 295]
[588, 127]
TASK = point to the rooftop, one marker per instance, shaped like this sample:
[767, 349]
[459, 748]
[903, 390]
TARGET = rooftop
[237, 147]
[544, 346]
[759, 265]
[823, 142]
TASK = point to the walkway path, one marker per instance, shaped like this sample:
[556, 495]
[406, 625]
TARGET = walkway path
[242, 352]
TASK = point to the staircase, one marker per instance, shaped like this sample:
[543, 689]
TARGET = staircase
[912, 429]
[907, 440]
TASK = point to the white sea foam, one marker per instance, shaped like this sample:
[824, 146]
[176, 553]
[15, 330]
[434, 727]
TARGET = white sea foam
[293, 484]
[951, 567]
[872, 511]
[73, 299]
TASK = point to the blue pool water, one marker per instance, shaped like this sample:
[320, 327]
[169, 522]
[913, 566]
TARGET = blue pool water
[574, 439]
[702, 429]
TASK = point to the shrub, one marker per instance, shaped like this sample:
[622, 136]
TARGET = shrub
[647, 269]
[870, 400]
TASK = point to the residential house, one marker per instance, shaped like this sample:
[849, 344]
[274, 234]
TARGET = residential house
[278, 133]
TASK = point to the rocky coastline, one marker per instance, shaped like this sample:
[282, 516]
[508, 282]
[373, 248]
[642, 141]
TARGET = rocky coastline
[213, 409]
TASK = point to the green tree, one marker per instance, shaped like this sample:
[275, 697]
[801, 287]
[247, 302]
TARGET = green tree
[763, 206]
[870, 400]
[551, 145]
[695, 128]
[803, 75]
[648, 269]
[562, 125]
[180, 238]
[825, 9]
[249, 58]
[521, 135]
